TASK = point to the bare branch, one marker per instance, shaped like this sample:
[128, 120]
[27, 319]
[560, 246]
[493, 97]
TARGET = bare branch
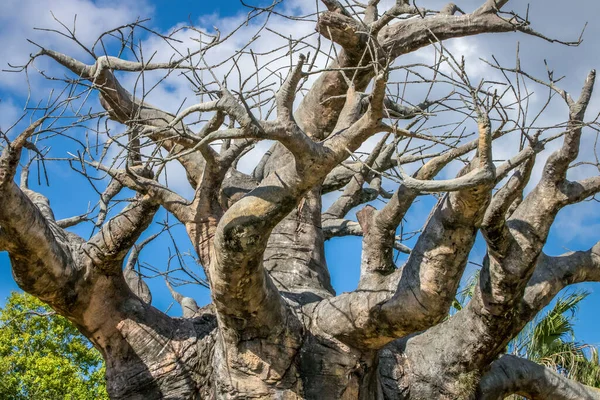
[33, 239]
[113, 188]
[287, 92]
[118, 235]
[122, 106]
[552, 274]
[483, 175]
[580, 190]
[556, 167]
[513, 375]
[333, 227]
[493, 225]
[188, 305]
[354, 194]
[72, 221]
[156, 192]
[133, 277]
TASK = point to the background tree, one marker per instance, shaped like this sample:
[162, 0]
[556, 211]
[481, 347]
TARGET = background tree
[43, 356]
[276, 328]
[549, 340]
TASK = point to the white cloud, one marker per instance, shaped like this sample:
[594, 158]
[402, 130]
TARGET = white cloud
[19, 18]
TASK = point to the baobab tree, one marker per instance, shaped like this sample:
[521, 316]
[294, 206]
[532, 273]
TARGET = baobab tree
[275, 328]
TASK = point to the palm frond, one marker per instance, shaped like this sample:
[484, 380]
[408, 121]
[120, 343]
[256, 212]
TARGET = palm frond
[465, 294]
[550, 340]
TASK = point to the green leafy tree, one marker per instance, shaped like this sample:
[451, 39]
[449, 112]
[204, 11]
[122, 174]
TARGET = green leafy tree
[43, 356]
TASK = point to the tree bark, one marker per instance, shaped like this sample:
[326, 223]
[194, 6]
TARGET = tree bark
[276, 328]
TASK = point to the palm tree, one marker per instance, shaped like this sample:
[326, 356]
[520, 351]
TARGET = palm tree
[549, 339]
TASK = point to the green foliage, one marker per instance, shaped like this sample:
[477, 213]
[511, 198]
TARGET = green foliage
[43, 356]
[550, 340]
[465, 294]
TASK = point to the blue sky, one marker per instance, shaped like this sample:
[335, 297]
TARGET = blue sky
[576, 228]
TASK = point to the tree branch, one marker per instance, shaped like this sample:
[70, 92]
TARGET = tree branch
[335, 227]
[512, 256]
[432, 273]
[72, 221]
[132, 277]
[108, 248]
[580, 190]
[113, 188]
[354, 194]
[123, 107]
[493, 226]
[40, 257]
[484, 174]
[188, 305]
[555, 170]
[552, 274]
[513, 375]
[162, 195]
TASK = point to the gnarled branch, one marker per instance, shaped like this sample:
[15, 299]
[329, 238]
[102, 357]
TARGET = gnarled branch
[513, 375]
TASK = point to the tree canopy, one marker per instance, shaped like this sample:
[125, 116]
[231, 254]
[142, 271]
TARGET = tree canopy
[44, 357]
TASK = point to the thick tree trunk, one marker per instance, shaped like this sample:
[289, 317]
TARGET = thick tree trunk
[152, 357]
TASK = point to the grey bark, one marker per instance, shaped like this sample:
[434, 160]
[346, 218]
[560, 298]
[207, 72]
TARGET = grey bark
[276, 329]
